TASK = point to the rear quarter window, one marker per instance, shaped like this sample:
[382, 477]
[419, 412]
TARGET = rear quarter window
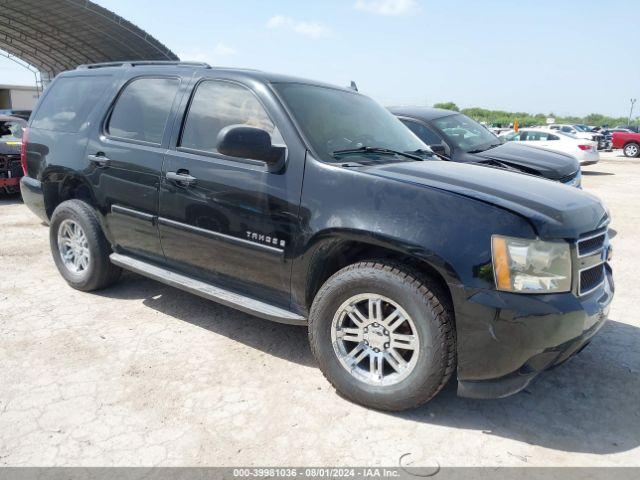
[67, 105]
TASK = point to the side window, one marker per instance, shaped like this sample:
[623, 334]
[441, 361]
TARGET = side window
[216, 105]
[68, 103]
[514, 137]
[142, 109]
[567, 129]
[423, 133]
[553, 137]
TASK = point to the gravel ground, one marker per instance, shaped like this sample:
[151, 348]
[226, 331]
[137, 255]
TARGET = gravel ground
[143, 374]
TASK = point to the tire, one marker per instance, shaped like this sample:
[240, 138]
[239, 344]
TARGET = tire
[95, 271]
[395, 286]
[631, 150]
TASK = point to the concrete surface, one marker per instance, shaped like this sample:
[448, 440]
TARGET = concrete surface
[143, 374]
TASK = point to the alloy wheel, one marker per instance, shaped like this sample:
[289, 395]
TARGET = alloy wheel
[73, 247]
[375, 339]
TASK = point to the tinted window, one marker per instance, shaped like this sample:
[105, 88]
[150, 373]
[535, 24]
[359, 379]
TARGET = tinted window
[466, 134]
[142, 109]
[68, 103]
[424, 133]
[334, 119]
[217, 105]
[535, 136]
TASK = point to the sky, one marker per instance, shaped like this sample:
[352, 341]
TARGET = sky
[569, 57]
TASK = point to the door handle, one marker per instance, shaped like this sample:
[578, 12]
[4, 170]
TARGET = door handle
[100, 159]
[181, 177]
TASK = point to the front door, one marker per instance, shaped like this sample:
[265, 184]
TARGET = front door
[229, 220]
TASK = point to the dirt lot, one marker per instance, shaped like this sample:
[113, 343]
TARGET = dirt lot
[143, 374]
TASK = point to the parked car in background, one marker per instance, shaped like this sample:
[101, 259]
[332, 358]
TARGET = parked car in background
[11, 130]
[456, 137]
[581, 131]
[631, 128]
[24, 114]
[586, 151]
[311, 204]
[629, 142]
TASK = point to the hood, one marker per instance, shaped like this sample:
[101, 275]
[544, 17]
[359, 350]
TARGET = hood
[536, 160]
[555, 210]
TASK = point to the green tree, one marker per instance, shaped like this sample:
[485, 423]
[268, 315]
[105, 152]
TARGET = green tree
[447, 106]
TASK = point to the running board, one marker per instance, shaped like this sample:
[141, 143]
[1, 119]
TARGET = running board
[208, 291]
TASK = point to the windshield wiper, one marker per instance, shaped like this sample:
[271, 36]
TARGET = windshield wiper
[376, 150]
[484, 149]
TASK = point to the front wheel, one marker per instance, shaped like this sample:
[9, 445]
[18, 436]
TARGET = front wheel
[382, 337]
[631, 150]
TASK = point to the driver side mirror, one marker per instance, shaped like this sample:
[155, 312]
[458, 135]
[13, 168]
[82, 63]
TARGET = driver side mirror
[252, 143]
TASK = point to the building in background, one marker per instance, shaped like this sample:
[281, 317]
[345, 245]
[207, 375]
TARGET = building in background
[56, 35]
[18, 97]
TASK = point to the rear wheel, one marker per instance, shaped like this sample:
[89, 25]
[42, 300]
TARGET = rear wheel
[631, 150]
[79, 247]
[381, 336]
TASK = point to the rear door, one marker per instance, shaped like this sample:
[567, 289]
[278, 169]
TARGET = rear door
[125, 152]
[224, 219]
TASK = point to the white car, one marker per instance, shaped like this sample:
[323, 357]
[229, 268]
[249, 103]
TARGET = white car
[586, 151]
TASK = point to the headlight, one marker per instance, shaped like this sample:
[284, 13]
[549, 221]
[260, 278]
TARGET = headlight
[576, 181]
[531, 266]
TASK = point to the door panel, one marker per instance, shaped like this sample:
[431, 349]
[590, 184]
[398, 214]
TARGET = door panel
[233, 225]
[128, 187]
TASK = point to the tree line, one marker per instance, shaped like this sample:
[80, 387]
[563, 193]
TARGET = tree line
[501, 118]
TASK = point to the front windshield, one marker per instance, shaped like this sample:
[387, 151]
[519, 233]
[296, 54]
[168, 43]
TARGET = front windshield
[466, 134]
[334, 120]
[10, 132]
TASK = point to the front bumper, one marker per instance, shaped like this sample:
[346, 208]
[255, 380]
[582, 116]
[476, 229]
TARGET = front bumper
[505, 340]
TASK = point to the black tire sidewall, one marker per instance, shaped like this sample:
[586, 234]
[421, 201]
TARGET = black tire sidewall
[637, 150]
[425, 379]
[82, 214]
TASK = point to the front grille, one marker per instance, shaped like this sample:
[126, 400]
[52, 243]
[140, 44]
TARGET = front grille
[592, 243]
[569, 178]
[591, 278]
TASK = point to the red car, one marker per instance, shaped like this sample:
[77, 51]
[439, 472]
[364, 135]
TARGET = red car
[629, 142]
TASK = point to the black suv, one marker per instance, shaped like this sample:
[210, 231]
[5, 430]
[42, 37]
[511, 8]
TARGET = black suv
[458, 138]
[310, 204]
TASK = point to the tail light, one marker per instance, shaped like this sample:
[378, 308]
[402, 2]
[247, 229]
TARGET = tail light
[23, 150]
[584, 147]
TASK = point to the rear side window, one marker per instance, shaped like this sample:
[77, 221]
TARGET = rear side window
[216, 105]
[67, 105]
[142, 109]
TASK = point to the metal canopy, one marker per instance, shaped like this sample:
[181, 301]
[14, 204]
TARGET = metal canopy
[58, 35]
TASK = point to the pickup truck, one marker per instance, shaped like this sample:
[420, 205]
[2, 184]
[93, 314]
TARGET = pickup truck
[629, 142]
[313, 205]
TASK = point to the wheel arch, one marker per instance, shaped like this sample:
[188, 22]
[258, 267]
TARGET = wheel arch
[333, 252]
[58, 188]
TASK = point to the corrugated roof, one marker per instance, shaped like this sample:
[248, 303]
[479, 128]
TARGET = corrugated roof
[58, 35]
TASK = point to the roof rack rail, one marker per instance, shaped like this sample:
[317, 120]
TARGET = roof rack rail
[141, 62]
